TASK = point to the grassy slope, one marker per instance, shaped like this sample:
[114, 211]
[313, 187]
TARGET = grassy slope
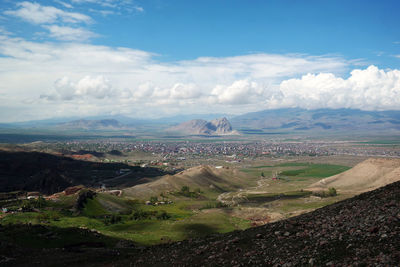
[209, 180]
[187, 218]
[183, 222]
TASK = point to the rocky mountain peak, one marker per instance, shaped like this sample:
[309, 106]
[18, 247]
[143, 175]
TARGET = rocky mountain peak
[222, 125]
[219, 126]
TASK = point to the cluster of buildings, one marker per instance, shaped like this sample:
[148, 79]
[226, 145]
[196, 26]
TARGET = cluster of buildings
[182, 150]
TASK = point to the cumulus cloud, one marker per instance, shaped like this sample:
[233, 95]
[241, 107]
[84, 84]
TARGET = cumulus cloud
[184, 91]
[368, 89]
[69, 34]
[239, 92]
[38, 14]
[88, 87]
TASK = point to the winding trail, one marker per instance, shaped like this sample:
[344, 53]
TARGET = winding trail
[233, 198]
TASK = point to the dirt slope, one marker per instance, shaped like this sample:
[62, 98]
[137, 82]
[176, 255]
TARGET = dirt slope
[207, 178]
[365, 176]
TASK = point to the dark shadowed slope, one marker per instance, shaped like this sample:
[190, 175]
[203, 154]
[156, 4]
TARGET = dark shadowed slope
[46, 173]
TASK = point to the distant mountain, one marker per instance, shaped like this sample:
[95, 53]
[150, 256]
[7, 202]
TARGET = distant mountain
[202, 127]
[109, 124]
[187, 117]
[297, 119]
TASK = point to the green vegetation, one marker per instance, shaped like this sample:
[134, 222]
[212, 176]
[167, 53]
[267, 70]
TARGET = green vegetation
[214, 205]
[330, 193]
[144, 224]
[185, 192]
[267, 197]
[316, 170]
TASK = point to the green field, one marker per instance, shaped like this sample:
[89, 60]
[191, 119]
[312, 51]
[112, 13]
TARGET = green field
[315, 170]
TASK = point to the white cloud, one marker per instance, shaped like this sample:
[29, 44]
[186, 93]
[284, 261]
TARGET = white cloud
[368, 89]
[123, 5]
[69, 34]
[184, 91]
[84, 79]
[239, 92]
[64, 4]
[38, 14]
[88, 87]
[3, 31]
[138, 8]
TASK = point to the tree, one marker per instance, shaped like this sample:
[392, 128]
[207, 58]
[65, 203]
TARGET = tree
[185, 189]
[332, 192]
[153, 199]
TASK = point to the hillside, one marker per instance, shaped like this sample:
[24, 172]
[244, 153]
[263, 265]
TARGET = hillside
[48, 174]
[206, 178]
[201, 127]
[365, 176]
[361, 231]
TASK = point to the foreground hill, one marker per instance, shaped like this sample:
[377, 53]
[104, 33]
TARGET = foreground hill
[206, 178]
[365, 176]
[361, 231]
[201, 127]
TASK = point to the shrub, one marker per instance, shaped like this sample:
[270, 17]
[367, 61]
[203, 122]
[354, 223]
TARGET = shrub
[330, 193]
[163, 215]
[82, 198]
[143, 215]
[212, 205]
[153, 199]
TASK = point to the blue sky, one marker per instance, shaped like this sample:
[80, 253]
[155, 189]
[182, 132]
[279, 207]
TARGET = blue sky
[151, 58]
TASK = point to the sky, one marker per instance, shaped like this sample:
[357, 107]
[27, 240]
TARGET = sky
[153, 58]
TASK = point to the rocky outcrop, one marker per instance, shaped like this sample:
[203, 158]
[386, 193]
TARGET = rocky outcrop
[201, 127]
[222, 126]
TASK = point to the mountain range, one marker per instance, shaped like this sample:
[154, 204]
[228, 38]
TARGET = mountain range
[274, 120]
[296, 119]
[105, 124]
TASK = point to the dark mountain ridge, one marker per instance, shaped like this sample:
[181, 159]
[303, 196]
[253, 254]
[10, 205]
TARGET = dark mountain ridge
[320, 119]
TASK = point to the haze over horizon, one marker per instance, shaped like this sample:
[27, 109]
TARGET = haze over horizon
[156, 58]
